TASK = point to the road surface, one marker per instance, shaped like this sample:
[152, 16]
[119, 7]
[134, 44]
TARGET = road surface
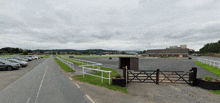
[46, 83]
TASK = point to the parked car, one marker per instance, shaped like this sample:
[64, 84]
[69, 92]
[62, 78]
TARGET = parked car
[37, 57]
[18, 58]
[3, 58]
[6, 65]
[24, 59]
[31, 56]
[29, 59]
[22, 63]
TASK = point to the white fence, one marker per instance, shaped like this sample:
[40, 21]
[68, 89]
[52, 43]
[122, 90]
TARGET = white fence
[210, 62]
[90, 63]
[109, 77]
[71, 65]
[98, 69]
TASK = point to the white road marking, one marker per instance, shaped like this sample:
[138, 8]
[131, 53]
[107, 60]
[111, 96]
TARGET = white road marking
[70, 78]
[77, 85]
[41, 84]
[28, 100]
[90, 98]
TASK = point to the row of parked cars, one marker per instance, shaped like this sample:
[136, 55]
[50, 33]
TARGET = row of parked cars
[15, 62]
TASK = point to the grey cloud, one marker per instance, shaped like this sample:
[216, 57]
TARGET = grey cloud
[151, 24]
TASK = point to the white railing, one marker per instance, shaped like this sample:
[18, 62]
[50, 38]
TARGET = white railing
[93, 64]
[71, 65]
[210, 62]
[109, 78]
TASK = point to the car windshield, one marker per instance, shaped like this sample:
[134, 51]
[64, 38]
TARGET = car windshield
[6, 61]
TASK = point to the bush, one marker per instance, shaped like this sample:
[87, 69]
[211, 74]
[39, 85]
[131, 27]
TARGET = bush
[216, 79]
[208, 78]
[118, 76]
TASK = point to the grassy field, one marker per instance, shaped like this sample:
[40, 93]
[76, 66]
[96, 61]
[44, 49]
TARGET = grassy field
[96, 80]
[212, 69]
[64, 66]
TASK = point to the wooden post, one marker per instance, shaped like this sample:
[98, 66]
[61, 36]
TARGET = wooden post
[194, 76]
[126, 75]
[157, 76]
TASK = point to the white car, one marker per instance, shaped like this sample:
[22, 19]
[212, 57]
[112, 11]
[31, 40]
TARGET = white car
[36, 57]
[22, 63]
[31, 56]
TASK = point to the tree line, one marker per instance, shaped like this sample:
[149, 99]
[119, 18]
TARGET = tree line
[210, 48]
[9, 50]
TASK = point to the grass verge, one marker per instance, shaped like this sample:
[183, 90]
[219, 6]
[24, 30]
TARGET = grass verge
[216, 91]
[64, 66]
[96, 80]
[212, 69]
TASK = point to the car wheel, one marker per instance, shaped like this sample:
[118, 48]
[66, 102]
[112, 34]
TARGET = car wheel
[9, 68]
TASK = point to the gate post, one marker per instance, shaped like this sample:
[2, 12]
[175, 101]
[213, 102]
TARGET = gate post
[157, 76]
[194, 69]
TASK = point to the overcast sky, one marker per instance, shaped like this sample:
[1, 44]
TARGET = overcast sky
[108, 24]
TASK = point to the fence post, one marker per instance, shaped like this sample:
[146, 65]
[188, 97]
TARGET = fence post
[102, 76]
[157, 76]
[83, 72]
[126, 75]
[109, 77]
[194, 76]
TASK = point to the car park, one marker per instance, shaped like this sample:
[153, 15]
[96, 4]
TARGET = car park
[29, 58]
[3, 58]
[6, 65]
[22, 63]
[24, 59]
[33, 57]
[20, 59]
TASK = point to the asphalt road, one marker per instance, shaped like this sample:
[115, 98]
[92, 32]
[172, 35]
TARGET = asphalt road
[46, 83]
[8, 77]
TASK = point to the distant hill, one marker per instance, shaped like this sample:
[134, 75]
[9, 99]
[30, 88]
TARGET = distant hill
[131, 51]
[73, 50]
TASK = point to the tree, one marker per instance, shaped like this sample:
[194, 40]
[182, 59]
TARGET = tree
[144, 51]
[210, 48]
[123, 52]
[41, 52]
[54, 53]
[29, 51]
[20, 50]
[25, 52]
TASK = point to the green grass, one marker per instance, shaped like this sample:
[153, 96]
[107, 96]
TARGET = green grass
[212, 69]
[96, 80]
[64, 66]
[216, 91]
